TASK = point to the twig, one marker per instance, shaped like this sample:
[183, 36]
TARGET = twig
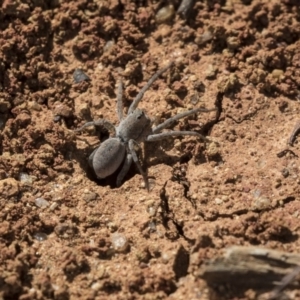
[286, 280]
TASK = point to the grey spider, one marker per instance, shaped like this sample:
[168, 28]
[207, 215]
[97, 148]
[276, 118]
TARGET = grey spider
[133, 129]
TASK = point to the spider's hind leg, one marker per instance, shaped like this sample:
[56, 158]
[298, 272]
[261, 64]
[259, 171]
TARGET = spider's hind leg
[140, 95]
[100, 123]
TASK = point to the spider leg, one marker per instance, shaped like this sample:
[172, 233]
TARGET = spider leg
[163, 135]
[179, 116]
[140, 95]
[125, 168]
[100, 122]
[119, 100]
[136, 160]
[88, 124]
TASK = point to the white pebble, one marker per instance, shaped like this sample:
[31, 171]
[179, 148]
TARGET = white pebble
[151, 211]
[40, 236]
[165, 258]
[218, 201]
[108, 46]
[53, 206]
[165, 14]
[41, 202]
[96, 286]
[25, 178]
[152, 226]
[119, 242]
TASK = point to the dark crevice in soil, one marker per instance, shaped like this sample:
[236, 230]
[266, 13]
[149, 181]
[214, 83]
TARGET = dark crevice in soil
[167, 215]
[164, 200]
[181, 263]
[244, 211]
[179, 175]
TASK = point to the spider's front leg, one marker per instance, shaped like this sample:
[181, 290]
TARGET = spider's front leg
[169, 121]
[158, 135]
[125, 169]
[136, 160]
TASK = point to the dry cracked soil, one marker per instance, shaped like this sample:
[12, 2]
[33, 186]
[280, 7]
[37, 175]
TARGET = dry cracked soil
[66, 235]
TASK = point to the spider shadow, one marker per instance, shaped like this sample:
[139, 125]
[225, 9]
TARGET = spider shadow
[155, 153]
[111, 180]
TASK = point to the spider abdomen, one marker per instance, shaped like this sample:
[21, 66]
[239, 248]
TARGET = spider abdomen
[108, 157]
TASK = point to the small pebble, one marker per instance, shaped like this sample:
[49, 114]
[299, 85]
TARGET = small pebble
[96, 286]
[66, 230]
[40, 236]
[119, 242]
[41, 202]
[285, 172]
[212, 149]
[33, 105]
[165, 14]
[211, 72]
[25, 178]
[56, 119]
[152, 226]
[204, 38]
[261, 203]
[218, 201]
[63, 110]
[151, 211]
[233, 42]
[165, 257]
[53, 206]
[108, 46]
[256, 193]
[89, 196]
[112, 226]
[276, 73]
[80, 76]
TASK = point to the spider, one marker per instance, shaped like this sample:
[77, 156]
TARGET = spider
[133, 129]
